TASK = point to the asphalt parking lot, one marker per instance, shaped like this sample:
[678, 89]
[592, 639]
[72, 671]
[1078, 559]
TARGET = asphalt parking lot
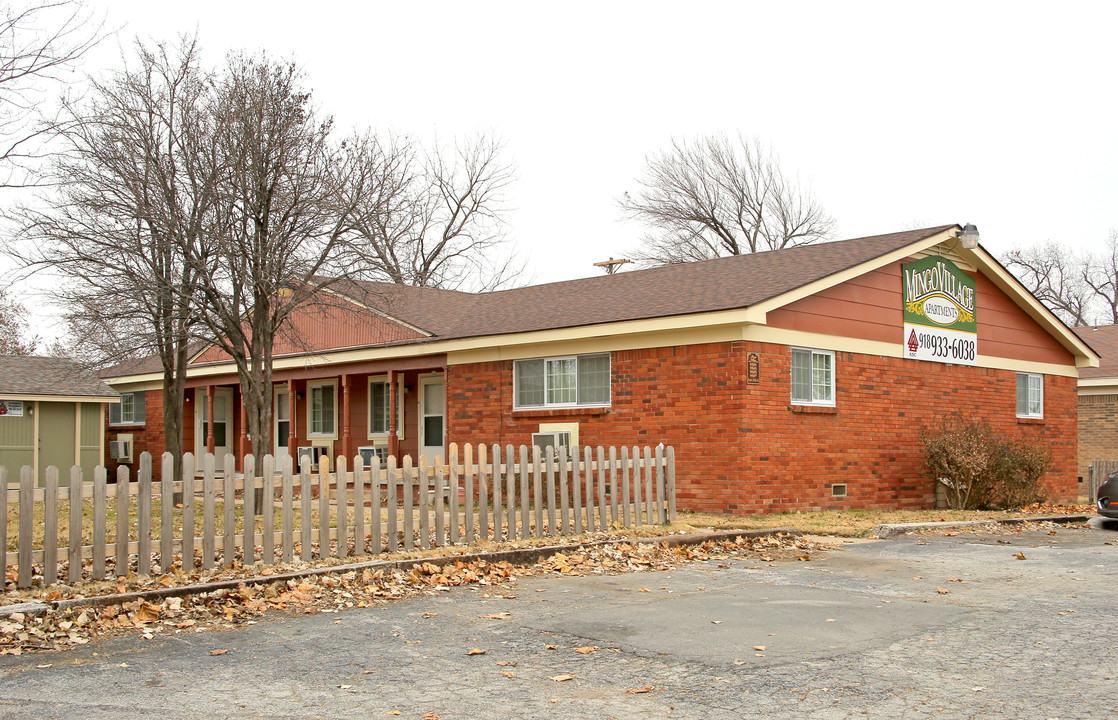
[969, 625]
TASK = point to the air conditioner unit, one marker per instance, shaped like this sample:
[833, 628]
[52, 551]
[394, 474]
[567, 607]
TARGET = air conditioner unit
[367, 452]
[314, 452]
[551, 439]
[121, 450]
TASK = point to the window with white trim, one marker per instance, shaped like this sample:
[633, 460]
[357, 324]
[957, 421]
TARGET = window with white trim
[569, 381]
[379, 405]
[813, 377]
[129, 411]
[322, 411]
[1030, 395]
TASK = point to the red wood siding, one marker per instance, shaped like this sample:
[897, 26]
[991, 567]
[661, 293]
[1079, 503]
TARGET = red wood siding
[868, 307]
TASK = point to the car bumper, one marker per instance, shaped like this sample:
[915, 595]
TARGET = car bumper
[1107, 503]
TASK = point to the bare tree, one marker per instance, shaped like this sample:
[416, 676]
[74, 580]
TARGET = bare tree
[1101, 275]
[15, 335]
[1081, 288]
[137, 184]
[434, 219]
[39, 46]
[1056, 276]
[717, 196]
[282, 220]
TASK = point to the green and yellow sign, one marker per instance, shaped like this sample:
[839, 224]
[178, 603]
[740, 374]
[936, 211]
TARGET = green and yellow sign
[939, 312]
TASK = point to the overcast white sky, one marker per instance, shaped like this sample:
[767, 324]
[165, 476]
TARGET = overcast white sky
[897, 114]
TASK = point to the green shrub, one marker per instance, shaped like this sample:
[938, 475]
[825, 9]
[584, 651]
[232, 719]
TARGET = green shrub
[982, 468]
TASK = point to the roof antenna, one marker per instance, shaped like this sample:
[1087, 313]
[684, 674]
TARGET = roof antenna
[611, 265]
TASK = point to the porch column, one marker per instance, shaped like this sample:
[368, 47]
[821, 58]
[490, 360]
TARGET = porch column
[242, 445]
[291, 415]
[345, 450]
[210, 419]
[393, 440]
[446, 412]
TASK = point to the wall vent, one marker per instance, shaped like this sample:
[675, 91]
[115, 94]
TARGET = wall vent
[838, 490]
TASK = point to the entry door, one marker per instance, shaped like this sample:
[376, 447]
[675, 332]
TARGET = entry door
[281, 410]
[432, 417]
[223, 426]
[56, 439]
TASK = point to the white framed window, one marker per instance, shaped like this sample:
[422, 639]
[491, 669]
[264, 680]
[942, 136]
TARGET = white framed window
[379, 404]
[322, 408]
[813, 377]
[1030, 395]
[129, 411]
[566, 381]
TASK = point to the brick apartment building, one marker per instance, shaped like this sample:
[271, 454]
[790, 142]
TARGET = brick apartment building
[791, 379]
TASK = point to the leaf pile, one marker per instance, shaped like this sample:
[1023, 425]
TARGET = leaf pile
[334, 592]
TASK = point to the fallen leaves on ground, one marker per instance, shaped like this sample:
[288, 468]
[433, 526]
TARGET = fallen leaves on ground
[335, 592]
[562, 678]
[992, 527]
[587, 649]
[477, 651]
[639, 690]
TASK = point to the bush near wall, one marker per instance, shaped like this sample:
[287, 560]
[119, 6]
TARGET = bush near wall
[983, 468]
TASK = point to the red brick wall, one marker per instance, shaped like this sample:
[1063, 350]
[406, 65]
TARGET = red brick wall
[744, 448]
[148, 437]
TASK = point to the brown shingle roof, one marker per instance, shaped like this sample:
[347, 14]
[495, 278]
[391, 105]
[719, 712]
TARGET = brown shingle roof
[1104, 340]
[684, 289]
[48, 376]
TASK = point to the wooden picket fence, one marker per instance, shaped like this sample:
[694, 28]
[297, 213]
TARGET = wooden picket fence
[1097, 474]
[305, 514]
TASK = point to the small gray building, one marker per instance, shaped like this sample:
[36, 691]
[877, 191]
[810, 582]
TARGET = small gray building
[52, 412]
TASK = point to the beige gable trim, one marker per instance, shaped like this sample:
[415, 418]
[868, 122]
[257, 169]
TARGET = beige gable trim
[1011, 286]
[840, 277]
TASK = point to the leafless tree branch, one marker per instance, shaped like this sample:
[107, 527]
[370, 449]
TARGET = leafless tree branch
[434, 219]
[40, 45]
[1080, 288]
[137, 183]
[717, 196]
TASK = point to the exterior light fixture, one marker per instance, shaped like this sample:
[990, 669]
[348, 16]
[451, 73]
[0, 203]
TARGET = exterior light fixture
[969, 236]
